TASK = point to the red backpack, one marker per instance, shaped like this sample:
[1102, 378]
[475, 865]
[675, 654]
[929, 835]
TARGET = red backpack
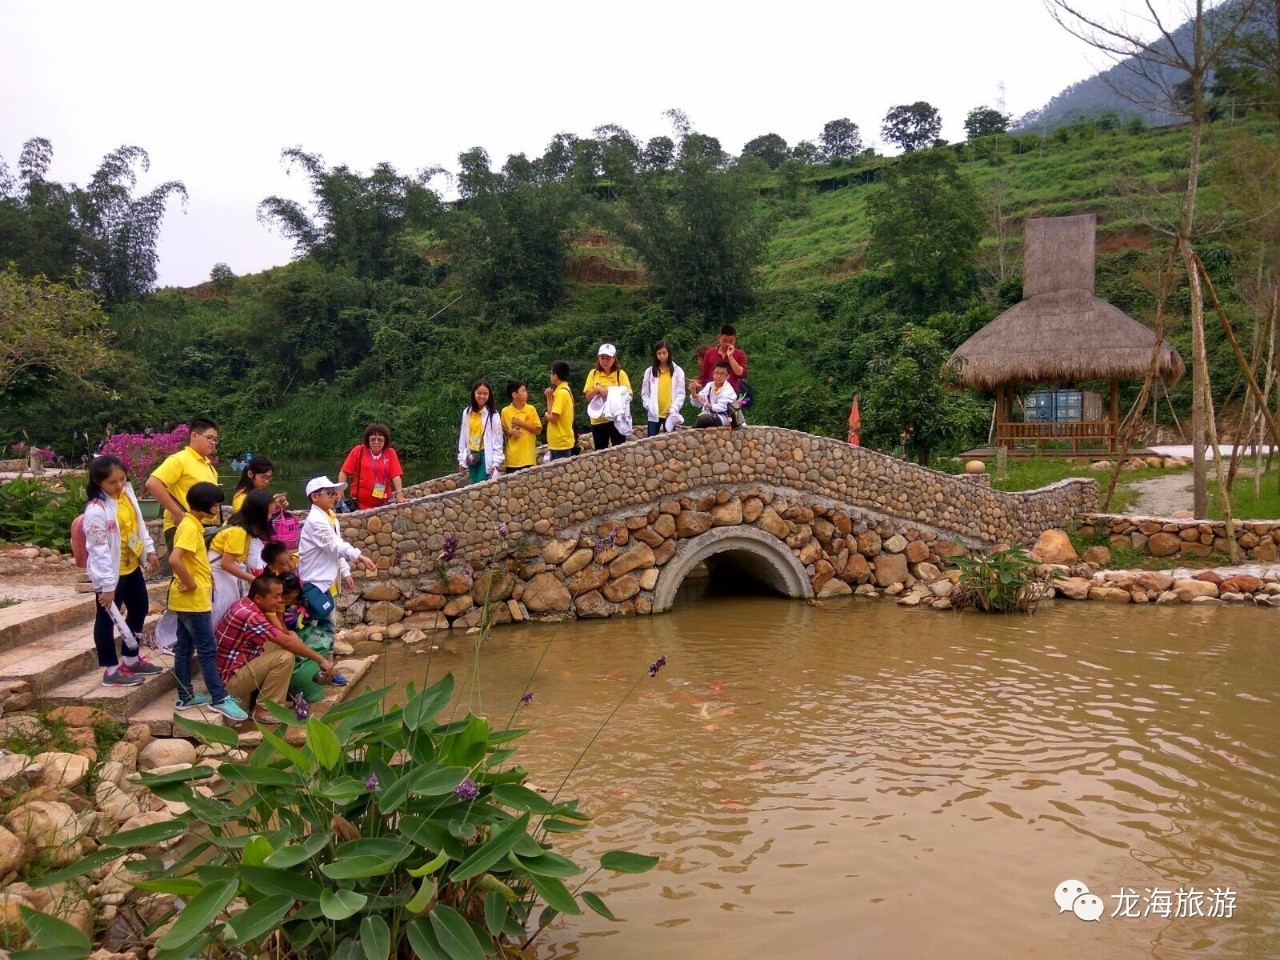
[79, 545]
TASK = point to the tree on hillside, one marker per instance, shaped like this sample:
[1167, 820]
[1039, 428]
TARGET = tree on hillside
[619, 150]
[1165, 67]
[984, 122]
[101, 231]
[356, 220]
[769, 147]
[925, 224]
[48, 329]
[509, 234]
[912, 126]
[840, 140]
[659, 153]
[806, 152]
[694, 228]
[911, 398]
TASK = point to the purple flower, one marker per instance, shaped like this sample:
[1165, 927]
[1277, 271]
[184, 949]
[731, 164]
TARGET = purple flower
[503, 530]
[606, 543]
[372, 783]
[301, 709]
[656, 666]
[527, 698]
[467, 790]
[450, 548]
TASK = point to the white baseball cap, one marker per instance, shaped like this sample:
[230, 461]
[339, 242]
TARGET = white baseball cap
[323, 483]
[607, 350]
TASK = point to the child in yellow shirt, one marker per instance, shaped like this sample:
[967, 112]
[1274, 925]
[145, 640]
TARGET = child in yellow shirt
[191, 599]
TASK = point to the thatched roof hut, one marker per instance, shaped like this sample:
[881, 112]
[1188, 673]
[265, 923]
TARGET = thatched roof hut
[1066, 335]
[1060, 332]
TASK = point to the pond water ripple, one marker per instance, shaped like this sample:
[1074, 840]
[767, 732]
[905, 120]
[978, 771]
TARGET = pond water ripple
[855, 779]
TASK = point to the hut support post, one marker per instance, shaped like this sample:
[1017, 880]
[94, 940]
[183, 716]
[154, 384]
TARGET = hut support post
[1115, 414]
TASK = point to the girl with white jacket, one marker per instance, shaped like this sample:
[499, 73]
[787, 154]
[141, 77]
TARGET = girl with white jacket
[481, 445]
[119, 550]
[663, 391]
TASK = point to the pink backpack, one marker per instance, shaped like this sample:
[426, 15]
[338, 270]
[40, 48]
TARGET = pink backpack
[79, 545]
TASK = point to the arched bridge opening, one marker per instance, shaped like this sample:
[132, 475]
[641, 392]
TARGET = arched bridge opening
[738, 559]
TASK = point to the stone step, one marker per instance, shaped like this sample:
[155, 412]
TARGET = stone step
[86, 689]
[50, 661]
[31, 619]
[158, 713]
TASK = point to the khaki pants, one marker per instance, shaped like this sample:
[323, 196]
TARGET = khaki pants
[266, 674]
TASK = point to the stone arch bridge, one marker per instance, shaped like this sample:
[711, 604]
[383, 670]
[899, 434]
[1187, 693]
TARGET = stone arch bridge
[615, 532]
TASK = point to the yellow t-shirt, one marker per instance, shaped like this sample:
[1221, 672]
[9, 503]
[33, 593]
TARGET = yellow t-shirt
[522, 451]
[238, 500]
[190, 537]
[131, 548]
[664, 393]
[231, 541]
[618, 378]
[180, 472]
[475, 430]
[560, 434]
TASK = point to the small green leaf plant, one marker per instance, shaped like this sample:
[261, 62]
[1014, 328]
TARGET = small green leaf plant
[1003, 581]
[385, 833]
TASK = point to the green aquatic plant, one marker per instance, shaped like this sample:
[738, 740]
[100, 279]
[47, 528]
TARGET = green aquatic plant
[1003, 581]
[385, 833]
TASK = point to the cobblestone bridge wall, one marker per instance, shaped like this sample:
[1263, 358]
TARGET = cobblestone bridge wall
[591, 536]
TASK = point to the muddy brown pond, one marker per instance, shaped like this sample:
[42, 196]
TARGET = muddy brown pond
[852, 779]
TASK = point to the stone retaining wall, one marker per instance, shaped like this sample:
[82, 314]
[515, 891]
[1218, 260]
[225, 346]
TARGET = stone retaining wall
[589, 536]
[1165, 537]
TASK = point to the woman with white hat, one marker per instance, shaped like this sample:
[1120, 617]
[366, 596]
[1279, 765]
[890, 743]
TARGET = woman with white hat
[605, 374]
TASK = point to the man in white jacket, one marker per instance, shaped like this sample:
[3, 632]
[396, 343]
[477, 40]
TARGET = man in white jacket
[323, 556]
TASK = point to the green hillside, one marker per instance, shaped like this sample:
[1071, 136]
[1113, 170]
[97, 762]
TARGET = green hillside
[294, 361]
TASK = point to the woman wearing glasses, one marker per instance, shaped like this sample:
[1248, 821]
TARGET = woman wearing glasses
[373, 469]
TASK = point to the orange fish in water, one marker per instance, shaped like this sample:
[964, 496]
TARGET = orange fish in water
[717, 687]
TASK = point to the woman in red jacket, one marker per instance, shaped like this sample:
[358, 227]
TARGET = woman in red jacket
[373, 469]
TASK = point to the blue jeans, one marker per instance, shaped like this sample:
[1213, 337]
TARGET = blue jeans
[196, 630]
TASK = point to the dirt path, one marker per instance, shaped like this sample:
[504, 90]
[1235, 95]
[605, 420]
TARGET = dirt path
[1162, 496]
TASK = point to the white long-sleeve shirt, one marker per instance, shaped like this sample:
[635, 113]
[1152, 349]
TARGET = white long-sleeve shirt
[323, 556]
[649, 393]
[495, 450]
[718, 401]
[102, 538]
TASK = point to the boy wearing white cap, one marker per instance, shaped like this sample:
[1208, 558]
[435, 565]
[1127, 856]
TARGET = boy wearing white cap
[604, 375]
[323, 556]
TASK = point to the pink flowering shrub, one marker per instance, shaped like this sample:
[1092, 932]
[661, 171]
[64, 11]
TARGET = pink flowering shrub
[142, 452]
[44, 455]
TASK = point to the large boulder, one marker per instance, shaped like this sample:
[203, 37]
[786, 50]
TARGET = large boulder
[12, 852]
[692, 523]
[1189, 590]
[1054, 546]
[772, 524]
[545, 594]
[1163, 544]
[47, 826]
[636, 558]
[63, 771]
[162, 753]
[1073, 588]
[890, 568]
[558, 551]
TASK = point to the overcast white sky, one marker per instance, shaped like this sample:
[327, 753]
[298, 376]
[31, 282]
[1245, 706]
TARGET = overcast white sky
[214, 91]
